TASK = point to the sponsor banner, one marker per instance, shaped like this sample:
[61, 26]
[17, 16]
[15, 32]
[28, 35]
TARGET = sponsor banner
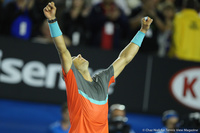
[173, 85]
[30, 71]
[185, 87]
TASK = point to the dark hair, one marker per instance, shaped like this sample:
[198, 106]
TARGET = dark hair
[192, 4]
[64, 107]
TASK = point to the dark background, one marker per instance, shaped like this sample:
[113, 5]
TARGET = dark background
[129, 88]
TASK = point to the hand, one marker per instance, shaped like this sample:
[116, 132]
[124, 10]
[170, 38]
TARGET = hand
[50, 11]
[145, 24]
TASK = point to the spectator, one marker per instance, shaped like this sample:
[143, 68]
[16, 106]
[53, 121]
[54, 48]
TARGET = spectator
[186, 34]
[194, 120]
[133, 3]
[74, 22]
[123, 4]
[20, 19]
[164, 38]
[170, 120]
[148, 8]
[44, 36]
[191, 122]
[118, 119]
[176, 3]
[62, 126]
[107, 23]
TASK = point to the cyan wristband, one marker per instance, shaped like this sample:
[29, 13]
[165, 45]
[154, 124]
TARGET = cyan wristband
[55, 29]
[138, 38]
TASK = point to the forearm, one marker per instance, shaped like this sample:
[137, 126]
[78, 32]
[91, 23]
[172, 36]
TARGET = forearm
[57, 36]
[129, 52]
[60, 44]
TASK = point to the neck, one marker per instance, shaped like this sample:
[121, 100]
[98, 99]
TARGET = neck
[86, 75]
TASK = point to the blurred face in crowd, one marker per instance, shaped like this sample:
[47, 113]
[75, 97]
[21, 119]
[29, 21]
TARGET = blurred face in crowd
[65, 115]
[25, 4]
[169, 12]
[80, 63]
[117, 112]
[78, 3]
[171, 122]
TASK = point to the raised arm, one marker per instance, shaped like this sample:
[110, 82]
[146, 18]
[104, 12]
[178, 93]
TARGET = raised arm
[56, 34]
[129, 52]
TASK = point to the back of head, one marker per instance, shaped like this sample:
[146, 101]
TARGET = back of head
[191, 4]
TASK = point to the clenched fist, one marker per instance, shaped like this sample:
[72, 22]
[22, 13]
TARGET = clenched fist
[145, 22]
[50, 11]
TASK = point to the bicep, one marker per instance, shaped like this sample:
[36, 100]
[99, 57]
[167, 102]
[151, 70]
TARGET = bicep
[64, 54]
[66, 60]
[118, 65]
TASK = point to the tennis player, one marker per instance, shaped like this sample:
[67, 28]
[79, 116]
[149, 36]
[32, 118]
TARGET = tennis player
[87, 97]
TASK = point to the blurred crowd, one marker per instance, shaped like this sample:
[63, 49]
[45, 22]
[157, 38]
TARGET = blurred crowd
[109, 24]
[174, 123]
[118, 122]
